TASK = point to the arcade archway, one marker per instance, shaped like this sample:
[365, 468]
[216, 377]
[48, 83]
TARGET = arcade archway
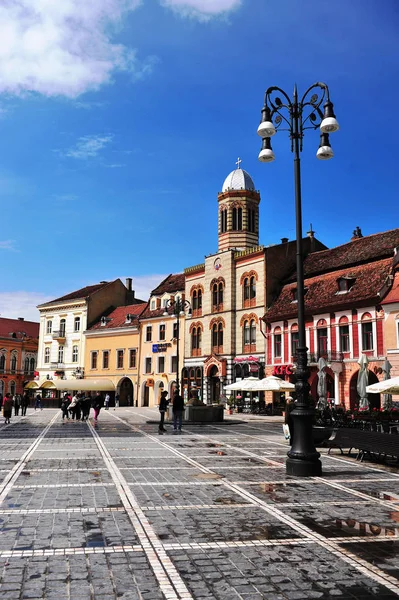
[374, 399]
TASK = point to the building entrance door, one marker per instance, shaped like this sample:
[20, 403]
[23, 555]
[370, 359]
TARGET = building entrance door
[214, 385]
[146, 401]
[126, 393]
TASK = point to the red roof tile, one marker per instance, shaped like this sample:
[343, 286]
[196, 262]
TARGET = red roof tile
[393, 294]
[117, 318]
[10, 326]
[82, 293]
[321, 295]
[360, 250]
[172, 283]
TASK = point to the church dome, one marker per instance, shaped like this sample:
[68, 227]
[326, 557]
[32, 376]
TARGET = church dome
[238, 180]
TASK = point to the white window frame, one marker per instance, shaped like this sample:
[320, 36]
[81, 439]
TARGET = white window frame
[49, 326]
[76, 321]
[47, 354]
[75, 353]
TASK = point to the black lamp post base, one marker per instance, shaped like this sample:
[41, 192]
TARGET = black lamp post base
[303, 468]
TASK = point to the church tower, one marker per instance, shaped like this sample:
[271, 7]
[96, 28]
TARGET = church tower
[238, 212]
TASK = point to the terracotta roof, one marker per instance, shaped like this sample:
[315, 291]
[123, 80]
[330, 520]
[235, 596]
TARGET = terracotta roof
[393, 294]
[117, 318]
[172, 283]
[361, 250]
[10, 326]
[321, 295]
[82, 293]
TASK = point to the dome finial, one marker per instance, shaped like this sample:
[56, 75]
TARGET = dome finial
[238, 163]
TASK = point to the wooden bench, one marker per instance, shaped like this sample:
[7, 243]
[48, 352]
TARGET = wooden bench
[375, 444]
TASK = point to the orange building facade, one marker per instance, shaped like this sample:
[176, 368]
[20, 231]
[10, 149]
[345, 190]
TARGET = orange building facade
[19, 341]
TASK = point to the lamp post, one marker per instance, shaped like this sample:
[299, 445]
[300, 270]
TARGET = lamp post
[177, 308]
[296, 116]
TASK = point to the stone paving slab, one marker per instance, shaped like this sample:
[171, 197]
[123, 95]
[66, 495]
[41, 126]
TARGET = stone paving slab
[184, 495]
[276, 573]
[62, 477]
[62, 497]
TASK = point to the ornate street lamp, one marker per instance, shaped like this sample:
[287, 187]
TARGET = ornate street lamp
[303, 459]
[178, 308]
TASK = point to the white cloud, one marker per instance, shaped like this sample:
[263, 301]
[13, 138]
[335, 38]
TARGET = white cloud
[62, 47]
[7, 245]
[202, 9]
[88, 146]
[21, 304]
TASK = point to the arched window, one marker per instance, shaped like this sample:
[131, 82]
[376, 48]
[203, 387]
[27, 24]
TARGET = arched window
[47, 355]
[196, 302]
[245, 289]
[294, 339]
[77, 324]
[322, 338]
[26, 365]
[75, 354]
[252, 328]
[196, 339]
[237, 219]
[62, 327]
[246, 333]
[251, 225]
[223, 221]
[277, 337]
[60, 354]
[32, 365]
[344, 338]
[2, 363]
[13, 364]
[12, 388]
[249, 333]
[217, 338]
[248, 282]
[217, 296]
[367, 332]
[252, 288]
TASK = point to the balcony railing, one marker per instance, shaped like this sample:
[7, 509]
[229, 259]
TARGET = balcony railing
[59, 335]
[329, 356]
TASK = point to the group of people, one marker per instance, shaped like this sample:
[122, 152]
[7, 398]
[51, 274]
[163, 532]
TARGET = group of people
[178, 410]
[18, 402]
[78, 407]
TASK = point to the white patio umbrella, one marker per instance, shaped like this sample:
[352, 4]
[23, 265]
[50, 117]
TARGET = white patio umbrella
[387, 386]
[362, 382]
[273, 384]
[243, 384]
[321, 384]
[387, 398]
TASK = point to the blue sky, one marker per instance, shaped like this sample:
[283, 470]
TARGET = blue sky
[120, 119]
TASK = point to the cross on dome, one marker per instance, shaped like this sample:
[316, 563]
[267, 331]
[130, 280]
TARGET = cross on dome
[238, 162]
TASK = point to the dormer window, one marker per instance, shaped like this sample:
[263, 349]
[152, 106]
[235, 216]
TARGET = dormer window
[345, 284]
[294, 294]
[104, 321]
[153, 305]
[128, 319]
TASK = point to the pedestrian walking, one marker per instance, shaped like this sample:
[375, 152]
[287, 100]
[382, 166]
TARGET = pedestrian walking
[106, 401]
[72, 408]
[8, 403]
[38, 402]
[65, 406]
[178, 409]
[288, 420]
[85, 405]
[17, 404]
[163, 405]
[25, 403]
[97, 405]
[116, 401]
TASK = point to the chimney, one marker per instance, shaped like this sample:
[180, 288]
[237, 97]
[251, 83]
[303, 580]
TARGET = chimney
[284, 240]
[310, 233]
[21, 319]
[129, 283]
[357, 233]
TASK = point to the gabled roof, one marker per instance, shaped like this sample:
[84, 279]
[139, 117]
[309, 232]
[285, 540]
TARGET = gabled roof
[84, 292]
[117, 318]
[393, 294]
[171, 283]
[321, 295]
[19, 328]
[359, 250]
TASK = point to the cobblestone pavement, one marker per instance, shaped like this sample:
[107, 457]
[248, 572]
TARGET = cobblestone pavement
[119, 512]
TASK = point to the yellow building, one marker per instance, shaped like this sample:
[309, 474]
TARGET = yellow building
[112, 352]
[162, 348]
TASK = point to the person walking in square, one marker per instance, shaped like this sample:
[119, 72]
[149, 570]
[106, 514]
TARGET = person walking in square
[178, 409]
[25, 403]
[85, 405]
[8, 403]
[106, 401]
[163, 405]
[116, 401]
[97, 405]
[17, 404]
[64, 407]
[38, 402]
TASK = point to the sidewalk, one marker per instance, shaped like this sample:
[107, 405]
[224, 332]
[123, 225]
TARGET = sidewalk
[118, 512]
